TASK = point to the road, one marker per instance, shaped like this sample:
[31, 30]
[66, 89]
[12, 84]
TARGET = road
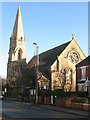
[13, 109]
[0, 109]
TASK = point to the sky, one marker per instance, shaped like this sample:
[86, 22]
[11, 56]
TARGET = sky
[88, 28]
[47, 23]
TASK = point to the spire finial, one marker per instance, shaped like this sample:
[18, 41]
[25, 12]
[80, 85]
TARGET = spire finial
[73, 37]
[18, 7]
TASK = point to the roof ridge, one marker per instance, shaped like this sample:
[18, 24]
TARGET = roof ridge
[49, 56]
[55, 47]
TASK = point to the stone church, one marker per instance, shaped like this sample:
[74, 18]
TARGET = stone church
[57, 66]
[17, 53]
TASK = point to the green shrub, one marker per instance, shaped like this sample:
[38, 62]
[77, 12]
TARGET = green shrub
[60, 93]
[44, 92]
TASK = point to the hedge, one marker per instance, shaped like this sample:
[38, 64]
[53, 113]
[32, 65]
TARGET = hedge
[60, 93]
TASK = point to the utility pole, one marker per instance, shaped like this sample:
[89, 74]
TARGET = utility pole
[37, 65]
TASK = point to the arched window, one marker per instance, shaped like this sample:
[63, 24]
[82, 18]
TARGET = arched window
[19, 54]
[58, 65]
[63, 77]
[70, 76]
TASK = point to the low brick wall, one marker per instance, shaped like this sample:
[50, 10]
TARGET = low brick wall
[40, 99]
[44, 100]
[61, 102]
[67, 103]
[48, 100]
[81, 106]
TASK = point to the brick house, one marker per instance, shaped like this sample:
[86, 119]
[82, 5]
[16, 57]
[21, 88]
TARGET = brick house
[83, 74]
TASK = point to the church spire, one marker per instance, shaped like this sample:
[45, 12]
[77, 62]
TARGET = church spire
[18, 28]
[17, 52]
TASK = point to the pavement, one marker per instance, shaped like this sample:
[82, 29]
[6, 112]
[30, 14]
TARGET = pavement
[67, 110]
[61, 109]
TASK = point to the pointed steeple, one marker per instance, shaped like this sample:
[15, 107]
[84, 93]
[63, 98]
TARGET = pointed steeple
[18, 28]
[17, 52]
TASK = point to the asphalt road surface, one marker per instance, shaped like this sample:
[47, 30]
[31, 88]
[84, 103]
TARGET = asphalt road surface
[0, 109]
[13, 109]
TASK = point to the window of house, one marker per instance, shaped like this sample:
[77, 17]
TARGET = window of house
[80, 87]
[83, 73]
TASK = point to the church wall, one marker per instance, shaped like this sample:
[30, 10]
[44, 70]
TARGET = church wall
[69, 66]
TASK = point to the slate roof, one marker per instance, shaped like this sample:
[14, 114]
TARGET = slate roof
[86, 61]
[46, 59]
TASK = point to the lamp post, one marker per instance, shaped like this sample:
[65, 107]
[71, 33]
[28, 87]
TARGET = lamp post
[37, 64]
